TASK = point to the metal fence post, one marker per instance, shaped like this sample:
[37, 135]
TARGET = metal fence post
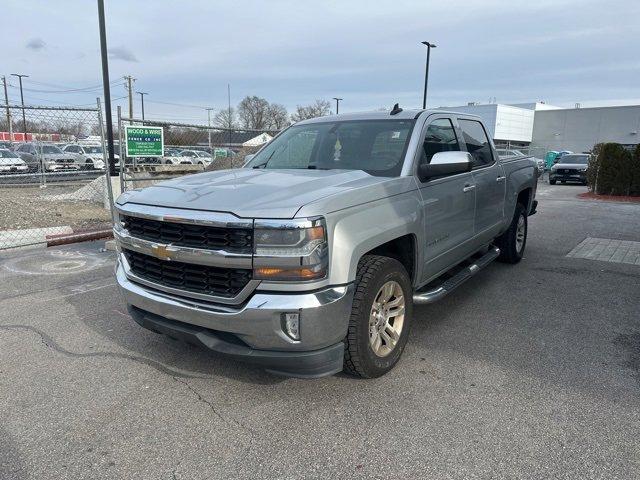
[105, 157]
[122, 148]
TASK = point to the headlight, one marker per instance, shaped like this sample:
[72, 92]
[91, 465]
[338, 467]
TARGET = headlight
[290, 250]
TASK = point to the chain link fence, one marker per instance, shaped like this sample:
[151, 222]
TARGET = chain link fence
[188, 149]
[53, 175]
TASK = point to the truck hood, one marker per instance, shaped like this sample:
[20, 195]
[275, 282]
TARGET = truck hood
[251, 193]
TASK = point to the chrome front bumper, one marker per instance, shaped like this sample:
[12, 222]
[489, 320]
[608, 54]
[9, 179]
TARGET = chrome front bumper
[324, 314]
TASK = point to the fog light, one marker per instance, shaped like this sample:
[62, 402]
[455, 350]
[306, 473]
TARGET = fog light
[291, 325]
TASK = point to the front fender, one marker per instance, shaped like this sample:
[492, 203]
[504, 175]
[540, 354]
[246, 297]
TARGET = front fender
[358, 230]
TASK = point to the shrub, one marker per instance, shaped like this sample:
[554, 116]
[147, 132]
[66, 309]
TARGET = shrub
[635, 172]
[613, 170]
[593, 166]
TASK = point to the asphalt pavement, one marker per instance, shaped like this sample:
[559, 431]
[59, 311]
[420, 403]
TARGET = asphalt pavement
[528, 371]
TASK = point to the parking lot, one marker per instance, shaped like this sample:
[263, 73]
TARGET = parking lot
[528, 371]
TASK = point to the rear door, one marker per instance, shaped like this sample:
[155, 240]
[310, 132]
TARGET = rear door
[488, 178]
[448, 203]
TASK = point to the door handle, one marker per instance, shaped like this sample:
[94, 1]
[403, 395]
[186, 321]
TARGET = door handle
[468, 188]
[501, 179]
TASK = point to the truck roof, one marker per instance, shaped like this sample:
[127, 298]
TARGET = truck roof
[408, 114]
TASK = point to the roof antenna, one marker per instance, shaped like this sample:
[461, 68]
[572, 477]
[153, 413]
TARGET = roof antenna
[395, 110]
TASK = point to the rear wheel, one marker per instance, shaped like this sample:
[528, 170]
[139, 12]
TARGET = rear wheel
[514, 240]
[552, 182]
[380, 318]
[564, 182]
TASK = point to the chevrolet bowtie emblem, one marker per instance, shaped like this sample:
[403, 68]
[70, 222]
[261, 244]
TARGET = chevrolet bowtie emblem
[161, 251]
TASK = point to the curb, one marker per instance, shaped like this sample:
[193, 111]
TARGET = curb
[51, 236]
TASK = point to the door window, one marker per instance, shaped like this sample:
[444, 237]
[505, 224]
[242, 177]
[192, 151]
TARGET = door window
[477, 142]
[439, 137]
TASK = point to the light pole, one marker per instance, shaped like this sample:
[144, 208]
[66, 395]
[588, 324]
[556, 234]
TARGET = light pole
[337, 104]
[107, 90]
[426, 72]
[142, 94]
[24, 121]
[209, 109]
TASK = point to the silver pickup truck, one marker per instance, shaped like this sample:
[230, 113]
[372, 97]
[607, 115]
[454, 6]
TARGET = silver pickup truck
[310, 259]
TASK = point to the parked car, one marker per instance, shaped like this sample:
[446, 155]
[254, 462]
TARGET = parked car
[10, 162]
[6, 145]
[509, 152]
[198, 157]
[88, 157]
[173, 156]
[570, 168]
[53, 159]
[309, 259]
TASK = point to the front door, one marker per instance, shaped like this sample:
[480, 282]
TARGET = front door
[448, 204]
[489, 179]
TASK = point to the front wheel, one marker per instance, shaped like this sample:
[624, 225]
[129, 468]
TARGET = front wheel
[552, 182]
[381, 316]
[514, 240]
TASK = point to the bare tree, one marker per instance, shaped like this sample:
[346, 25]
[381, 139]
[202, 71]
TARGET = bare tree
[226, 118]
[258, 114]
[253, 112]
[319, 109]
[277, 117]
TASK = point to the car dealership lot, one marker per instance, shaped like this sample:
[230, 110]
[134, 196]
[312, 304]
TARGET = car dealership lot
[528, 371]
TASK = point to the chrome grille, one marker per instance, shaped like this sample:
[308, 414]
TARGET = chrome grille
[202, 279]
[235, 240]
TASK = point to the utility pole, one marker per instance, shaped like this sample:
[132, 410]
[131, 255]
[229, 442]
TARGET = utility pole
[107, 89]
[24, 120]
[129, 87]
[142, 94]
[229, 119]
[426, 72]
[209, 123]
[6, 99]
[337, 104]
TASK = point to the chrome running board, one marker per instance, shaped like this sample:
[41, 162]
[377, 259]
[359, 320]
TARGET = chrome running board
[448, 286]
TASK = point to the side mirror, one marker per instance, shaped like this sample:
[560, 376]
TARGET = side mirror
[556, 160]
[445, 163]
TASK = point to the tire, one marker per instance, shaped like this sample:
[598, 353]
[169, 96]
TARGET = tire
[511, 250]
[564, 182]
[552, 182]
[360, 358]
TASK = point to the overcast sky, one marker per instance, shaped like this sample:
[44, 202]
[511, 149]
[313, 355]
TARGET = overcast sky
[292, 52]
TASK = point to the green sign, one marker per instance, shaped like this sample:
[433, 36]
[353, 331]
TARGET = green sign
[144, 141]
[220, 152]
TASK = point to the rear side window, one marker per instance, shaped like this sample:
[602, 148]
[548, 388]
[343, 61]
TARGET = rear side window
[439, 137]
[477, 142]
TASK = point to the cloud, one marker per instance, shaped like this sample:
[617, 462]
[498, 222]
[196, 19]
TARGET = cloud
[36, 44]
[122, 53]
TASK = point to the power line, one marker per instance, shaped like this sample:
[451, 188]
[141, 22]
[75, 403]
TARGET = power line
[200, 107]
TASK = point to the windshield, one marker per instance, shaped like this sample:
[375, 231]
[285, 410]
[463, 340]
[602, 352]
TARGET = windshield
[574, 159]
[203, 154]
[48, 149]
[96, 149]
[7, 154]
[375, 146]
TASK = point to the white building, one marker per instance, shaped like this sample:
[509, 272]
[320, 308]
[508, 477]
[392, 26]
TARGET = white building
[548, 127]
[258, 140]
[506, 123]
[579, 129]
